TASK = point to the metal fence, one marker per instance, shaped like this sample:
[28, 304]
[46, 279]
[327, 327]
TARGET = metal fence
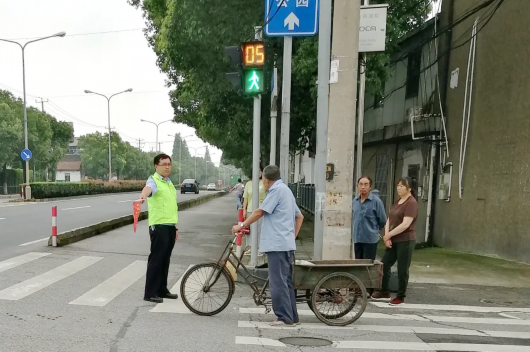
[305, 196]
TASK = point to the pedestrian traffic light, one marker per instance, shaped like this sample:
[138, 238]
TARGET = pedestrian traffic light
[253, 81]
[249, 59]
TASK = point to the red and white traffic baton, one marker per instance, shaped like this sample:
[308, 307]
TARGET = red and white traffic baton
[54, 226]
[239, 235]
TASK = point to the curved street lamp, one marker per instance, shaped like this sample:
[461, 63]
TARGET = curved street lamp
[108, 115]
[23, 47]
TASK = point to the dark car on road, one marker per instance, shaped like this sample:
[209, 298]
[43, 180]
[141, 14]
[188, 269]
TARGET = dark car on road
[189, 185]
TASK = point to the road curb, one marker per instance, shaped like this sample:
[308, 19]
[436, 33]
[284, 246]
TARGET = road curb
[82, 233]
[42, 200]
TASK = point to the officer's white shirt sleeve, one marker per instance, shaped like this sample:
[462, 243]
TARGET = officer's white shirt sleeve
[151, 184]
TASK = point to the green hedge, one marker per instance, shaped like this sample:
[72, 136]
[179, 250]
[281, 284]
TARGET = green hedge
[40, 190]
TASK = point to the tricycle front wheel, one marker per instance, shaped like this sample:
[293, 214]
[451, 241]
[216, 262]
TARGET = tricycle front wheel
[339, 299]
[206, 289]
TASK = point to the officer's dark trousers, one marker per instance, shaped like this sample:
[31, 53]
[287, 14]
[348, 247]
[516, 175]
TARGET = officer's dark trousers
[162, 243]
[281, 286]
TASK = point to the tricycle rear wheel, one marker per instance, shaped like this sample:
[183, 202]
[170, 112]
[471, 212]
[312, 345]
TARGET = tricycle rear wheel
[343, 291]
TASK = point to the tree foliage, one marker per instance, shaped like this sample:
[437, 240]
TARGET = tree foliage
[189, 37]
[47, 138]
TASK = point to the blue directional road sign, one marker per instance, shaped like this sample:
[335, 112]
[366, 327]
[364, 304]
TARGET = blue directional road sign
[26, 155]
[291, 18]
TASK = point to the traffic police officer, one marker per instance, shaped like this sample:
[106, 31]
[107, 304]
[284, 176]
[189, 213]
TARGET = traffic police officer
[161, 198]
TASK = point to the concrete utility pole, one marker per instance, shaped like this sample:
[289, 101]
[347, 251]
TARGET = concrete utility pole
[324, 57]
[337, 237]
[360, 123]
[286, 108]
[42, 101]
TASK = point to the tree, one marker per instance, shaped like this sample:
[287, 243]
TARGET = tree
[189, 43]
[10, 134]
[47, 138]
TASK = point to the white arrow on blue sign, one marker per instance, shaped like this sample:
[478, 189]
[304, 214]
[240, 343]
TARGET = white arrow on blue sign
[26, 155]
[291, 18]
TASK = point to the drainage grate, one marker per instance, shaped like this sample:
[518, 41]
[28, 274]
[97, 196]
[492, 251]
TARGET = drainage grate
[305, 341]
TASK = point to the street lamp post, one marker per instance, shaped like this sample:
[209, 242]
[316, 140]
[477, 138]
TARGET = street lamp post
[157, 147]
[108, 117]
[195, 149]
[180, 153]
[23, 47]
[206, 165]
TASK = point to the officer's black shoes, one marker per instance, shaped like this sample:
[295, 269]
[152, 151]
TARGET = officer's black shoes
[155, 299]
[171, 295]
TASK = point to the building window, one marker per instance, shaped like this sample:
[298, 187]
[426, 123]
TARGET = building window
[67, 177]
[413, 74]
[379, 98]
[381, 176]
[414, 174]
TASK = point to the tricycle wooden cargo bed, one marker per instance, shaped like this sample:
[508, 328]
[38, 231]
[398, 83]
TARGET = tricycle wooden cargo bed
[335, 290]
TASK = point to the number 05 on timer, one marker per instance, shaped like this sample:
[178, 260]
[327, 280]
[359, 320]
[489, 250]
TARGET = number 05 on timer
[253, 62]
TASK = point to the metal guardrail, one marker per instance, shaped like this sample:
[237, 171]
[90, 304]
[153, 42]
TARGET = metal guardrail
[305, 196]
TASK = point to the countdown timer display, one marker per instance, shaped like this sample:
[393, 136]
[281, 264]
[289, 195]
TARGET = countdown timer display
[253, 54]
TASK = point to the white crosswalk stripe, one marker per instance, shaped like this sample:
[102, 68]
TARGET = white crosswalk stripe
[462, 329]
[39, 282]
[21, 259]
[411, 327]
[112, 287]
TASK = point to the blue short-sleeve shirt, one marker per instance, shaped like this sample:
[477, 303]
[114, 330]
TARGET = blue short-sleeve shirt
[278, 228]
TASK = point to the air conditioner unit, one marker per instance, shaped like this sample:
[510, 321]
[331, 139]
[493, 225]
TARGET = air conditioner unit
[414, 113]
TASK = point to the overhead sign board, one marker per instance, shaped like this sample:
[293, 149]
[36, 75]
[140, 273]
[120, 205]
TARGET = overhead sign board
[291, 18]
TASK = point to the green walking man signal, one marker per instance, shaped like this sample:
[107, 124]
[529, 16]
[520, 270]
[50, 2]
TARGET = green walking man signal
[249, 59]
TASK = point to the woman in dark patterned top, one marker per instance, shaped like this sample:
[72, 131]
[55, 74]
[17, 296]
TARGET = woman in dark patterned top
[400, 239]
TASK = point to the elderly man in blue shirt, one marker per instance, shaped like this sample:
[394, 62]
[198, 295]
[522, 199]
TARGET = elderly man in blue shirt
[282, 220]
[368, 219]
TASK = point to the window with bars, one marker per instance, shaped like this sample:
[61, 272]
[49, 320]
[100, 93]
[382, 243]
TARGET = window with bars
[381, 176]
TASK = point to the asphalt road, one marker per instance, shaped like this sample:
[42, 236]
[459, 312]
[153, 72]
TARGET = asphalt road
[22, 224]
[88, 297]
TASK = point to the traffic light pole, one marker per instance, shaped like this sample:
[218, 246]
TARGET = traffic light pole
[286, 108]
[254, 229]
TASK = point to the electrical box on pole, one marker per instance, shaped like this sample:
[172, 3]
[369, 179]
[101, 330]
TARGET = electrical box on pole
[249, 59]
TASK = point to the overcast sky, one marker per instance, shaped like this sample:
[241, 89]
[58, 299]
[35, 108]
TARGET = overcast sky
[60, 69]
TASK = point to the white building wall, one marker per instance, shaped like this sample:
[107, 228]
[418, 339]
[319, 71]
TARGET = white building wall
[75, 176]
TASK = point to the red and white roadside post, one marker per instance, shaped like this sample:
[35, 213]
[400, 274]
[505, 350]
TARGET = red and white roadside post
[22, 191]
[54, 226]
[239, 235]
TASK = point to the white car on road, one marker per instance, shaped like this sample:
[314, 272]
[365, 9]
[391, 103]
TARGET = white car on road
[211, 187]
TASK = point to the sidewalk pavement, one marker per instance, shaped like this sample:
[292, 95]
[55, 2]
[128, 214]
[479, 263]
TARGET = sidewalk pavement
[444, 266]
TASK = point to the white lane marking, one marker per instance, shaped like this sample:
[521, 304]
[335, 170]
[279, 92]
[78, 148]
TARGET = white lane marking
[392, 329]
[453, 308]
[426, 318]
[509, 316]
[39, 282]
[382, 345]
[32, 242]
[2, 218]
[86, 206]
[260, 341]
[21, 259]
[125, 201]
[422, 346]
[471, 347]
[173, 305]
[105, 292]
[466, 320]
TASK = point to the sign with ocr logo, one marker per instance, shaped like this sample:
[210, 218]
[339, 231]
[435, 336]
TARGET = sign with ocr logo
[372, 28]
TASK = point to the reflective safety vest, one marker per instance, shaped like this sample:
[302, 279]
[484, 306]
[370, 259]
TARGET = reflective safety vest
[162, 206]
